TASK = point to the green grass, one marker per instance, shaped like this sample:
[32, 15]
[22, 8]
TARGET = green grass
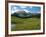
[25, 23]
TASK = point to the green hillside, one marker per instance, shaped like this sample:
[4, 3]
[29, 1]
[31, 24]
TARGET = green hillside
[25, 23]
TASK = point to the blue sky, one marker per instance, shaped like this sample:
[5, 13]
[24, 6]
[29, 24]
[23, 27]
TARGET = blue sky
[31, 9]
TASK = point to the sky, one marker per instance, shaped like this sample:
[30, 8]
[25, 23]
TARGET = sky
[31, 9]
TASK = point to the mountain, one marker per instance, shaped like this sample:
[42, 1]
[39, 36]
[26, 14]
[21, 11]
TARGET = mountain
[24, 14]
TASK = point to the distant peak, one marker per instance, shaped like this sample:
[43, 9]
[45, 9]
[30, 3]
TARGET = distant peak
[20, 11]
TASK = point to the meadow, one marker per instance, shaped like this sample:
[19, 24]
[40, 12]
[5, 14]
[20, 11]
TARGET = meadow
[25, 23]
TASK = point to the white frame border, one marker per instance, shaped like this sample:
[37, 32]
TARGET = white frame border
[26, 31]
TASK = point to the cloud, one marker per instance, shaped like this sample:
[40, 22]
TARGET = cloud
[26, 10]
[22, 6]
[13, 8]
[31, 7]
[39, 12]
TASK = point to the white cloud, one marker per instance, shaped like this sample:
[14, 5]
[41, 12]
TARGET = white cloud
[31, 7]
[16, 11]
[12, 12]
[22, 6]
[39, 12]
[14, 8]
[26, 10]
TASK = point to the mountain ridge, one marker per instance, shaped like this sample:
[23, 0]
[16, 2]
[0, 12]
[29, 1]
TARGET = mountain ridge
[25, 14]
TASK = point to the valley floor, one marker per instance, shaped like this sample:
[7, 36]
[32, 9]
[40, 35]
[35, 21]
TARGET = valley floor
[25, 23]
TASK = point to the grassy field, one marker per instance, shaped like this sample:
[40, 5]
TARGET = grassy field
[25, 23]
